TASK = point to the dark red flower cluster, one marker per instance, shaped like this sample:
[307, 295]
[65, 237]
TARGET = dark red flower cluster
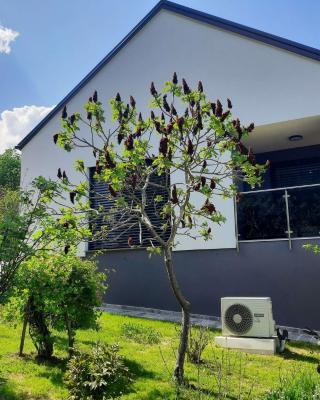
[175, 78]
[129, 142]
[208, 207]
[190, 148]
[72, 196]
[153, 91]
[186, 89]
[163, 147]
[112, 191]
[109, 162]
[132, 102]
[174, 195]
[64, 113]
[98, 168]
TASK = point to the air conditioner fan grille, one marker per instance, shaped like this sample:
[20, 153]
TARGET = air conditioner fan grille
[238, 318]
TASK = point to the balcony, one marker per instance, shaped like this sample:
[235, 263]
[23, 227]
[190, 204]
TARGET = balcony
[279, 214]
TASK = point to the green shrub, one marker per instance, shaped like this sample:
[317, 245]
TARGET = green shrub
[140, 334]
[297, 386]
[98, 375]
[56, 291]
[198, 341]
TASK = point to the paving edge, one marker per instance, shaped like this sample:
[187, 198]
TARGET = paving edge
[295, 334]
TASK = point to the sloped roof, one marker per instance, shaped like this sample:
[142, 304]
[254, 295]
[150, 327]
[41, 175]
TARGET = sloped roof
[221, 23]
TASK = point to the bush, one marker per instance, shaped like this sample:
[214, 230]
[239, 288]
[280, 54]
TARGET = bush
[140, 334]
[57, 292]
[198, 341]
[98, 375]
[297, 386]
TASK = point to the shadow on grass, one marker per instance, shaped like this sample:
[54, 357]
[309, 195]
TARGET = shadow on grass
[190, 391]
[292, 355]
[61, 343]
[137, 370]
[305, 346]
[7, 393]
[55, 372]
[154, 394]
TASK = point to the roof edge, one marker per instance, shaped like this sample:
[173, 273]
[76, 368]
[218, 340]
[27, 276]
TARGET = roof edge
[252, 33]
[255, 34]
[91, 74]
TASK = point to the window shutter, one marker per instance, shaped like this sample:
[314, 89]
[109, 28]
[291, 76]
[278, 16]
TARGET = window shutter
[296, 173]
[118, 239]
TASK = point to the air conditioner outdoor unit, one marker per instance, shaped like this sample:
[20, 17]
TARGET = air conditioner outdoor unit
[247, 317]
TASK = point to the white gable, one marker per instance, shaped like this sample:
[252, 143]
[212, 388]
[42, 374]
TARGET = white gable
[266, 85]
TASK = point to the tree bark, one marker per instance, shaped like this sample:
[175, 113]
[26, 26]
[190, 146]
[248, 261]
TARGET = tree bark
[185, 324]
[70, 337]
[39, 332]
[24, 328]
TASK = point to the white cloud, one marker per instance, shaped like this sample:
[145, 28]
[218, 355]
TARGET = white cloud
[7, 36]
[17, 123]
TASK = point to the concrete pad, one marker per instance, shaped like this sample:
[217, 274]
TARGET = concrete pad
[249, 345]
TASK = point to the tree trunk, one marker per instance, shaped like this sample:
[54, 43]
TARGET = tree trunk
[23, 334]
[24, 327]
[70, 337]
[39, 332]
[185, 325]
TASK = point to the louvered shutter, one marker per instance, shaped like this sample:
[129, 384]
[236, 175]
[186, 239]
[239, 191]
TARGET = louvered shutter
[296, 173]
[118, 239]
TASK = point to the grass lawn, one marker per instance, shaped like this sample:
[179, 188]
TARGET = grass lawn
[150, 364]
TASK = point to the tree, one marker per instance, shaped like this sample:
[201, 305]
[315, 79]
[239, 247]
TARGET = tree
[10, 165]
[29, 224]
[191, 142]
[56, 291]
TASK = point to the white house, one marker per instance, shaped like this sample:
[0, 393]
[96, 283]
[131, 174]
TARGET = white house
[271, 81]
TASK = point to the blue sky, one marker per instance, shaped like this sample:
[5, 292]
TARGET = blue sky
[47, 59]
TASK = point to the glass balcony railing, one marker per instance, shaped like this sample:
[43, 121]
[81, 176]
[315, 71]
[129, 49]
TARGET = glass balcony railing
[285, 213]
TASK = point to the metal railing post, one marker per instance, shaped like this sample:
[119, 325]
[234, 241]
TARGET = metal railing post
[236, 222]
[288, 231]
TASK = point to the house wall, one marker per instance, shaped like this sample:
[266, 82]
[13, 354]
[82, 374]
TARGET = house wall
[265, 83]
[290, 277]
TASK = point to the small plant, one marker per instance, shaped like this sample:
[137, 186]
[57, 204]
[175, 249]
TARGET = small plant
[98, 375]
[297, 386]
[198, 341]
[140, 334]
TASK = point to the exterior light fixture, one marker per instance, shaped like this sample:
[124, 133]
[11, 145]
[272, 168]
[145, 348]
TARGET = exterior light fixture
[295, 138]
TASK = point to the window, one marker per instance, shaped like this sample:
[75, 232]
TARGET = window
[295, 173]
[118, 239]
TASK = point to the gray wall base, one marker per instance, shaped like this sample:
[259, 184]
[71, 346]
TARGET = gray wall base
[290, 278]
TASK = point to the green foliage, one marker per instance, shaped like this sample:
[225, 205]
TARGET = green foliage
[140, 334]
[64, 289]
[98, 375]
[30, 224]
[10, 166]
[297, 386]
[315, 248]
[188, 136]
